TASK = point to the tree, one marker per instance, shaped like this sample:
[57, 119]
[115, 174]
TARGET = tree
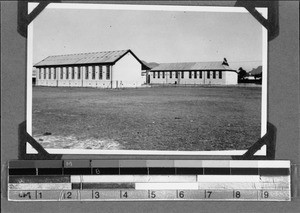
[242, 73]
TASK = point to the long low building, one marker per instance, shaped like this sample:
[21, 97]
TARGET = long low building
[194, 73]
[108, 69]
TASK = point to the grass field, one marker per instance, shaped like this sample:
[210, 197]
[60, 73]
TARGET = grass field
[160, 118]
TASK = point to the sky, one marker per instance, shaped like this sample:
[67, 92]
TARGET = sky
[154, 36]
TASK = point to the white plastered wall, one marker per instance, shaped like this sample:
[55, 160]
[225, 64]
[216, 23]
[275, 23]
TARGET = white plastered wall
[127, 72]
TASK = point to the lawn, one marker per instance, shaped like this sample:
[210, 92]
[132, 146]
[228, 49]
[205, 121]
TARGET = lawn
[158, 118]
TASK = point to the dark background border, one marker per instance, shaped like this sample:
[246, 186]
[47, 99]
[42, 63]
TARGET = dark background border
[283, 112]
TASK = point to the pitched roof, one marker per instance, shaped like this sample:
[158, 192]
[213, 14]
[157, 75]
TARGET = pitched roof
[104, 57]
[215, 65]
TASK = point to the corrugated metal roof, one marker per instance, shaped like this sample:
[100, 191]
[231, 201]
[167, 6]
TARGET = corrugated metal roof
[83, 58]
[215, 65]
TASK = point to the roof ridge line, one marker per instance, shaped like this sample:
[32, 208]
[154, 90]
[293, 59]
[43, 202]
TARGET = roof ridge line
[89, 52]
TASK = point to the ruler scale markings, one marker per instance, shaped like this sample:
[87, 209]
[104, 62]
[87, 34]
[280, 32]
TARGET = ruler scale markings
[184, 179]
[162, 194]
[134, 194]
[48, 195]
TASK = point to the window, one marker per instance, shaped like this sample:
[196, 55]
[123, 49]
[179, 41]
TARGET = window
[67, 72]
[86, 72]
[50, 70]
[171, 74]
[54, 74]
[182, 74]
[190, 74]
[153, 74]
[45, 69]
[93, 72]
[214, 74]
[100, 72]
[40, 73]
[62, 73]
[107, 72]
[208, 74]
[78, 73]
[200, 74]
[195, 74]
[163, 74]
[176, 74]
[158, 74]
[73, 72]
[220, 74]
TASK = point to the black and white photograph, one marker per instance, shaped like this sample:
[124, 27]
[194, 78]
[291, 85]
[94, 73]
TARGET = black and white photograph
[146, 79]
[150, 106]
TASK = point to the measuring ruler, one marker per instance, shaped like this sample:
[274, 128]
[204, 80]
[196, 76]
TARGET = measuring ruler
[129, 180]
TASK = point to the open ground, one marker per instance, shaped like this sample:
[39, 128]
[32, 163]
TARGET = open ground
[157, 118]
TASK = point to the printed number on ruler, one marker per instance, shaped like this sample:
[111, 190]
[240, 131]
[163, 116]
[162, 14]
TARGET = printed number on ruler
[207, 193]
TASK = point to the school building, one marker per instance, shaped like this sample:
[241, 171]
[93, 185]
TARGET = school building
[108, 69]
[194, 73]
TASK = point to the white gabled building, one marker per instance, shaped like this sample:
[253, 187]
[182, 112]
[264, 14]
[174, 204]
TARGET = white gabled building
[194, 73]
[108, 69]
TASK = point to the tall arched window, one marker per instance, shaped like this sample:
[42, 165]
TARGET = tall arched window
[86, 72]
[62, 73]
[67, 73]
[100, 72]
[54, 74]
[45, 70]
[93, 72]
[107, 72]
[73, 72]
[78, 73]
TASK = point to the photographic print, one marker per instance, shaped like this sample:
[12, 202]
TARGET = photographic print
[146, 79]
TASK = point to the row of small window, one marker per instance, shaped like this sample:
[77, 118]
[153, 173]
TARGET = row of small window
[70, 72]
[191, 74]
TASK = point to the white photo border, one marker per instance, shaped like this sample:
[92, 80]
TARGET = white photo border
[31, 6]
